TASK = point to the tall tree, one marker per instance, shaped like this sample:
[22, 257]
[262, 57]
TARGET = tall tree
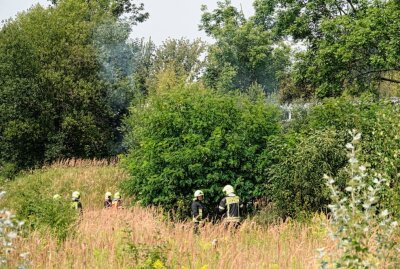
[54, 100]
[180, 59]
[244, 52]
[351, 45]
[183, 55]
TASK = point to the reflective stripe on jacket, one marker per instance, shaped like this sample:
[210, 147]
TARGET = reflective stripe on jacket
[117, 203]
[231, 204]
[199, 211]
[76, 204]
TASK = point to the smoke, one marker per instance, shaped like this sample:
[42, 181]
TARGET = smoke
[118, 58]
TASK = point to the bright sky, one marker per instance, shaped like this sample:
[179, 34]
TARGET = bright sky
[168, 18]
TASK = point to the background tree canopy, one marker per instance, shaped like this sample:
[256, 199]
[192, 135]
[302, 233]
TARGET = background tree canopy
[351, 46]
[244, 52]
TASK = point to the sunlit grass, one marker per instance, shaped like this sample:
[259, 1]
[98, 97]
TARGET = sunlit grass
[103, 237]
[142, 237]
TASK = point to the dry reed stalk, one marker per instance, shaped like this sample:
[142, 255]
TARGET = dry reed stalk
[76, 162]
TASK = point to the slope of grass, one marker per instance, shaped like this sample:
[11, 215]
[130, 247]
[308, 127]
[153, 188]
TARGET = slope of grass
[91, 178]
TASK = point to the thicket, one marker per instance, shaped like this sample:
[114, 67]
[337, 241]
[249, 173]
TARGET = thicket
[32, 201]
[192, 138]
[187, 138]
[314, 145]
[296, 164]
[361, 226]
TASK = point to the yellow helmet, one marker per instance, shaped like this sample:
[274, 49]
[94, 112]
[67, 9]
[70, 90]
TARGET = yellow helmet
[117, 195]
[228, 189]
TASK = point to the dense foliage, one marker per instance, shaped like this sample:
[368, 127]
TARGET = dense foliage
[174, 61]
[192, 138]
[314, 145]
[244, 53]
[55, 98]
[350, 46]
[33, 203]
[296, 173]
[199, 118]
[362, 228]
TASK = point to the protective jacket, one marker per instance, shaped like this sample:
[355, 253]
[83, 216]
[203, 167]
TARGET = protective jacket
[76, 204]
[107, 203]
[199, 211]
[117, 203]
[231, 206]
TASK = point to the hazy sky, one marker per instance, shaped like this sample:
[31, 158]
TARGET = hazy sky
[168, 18]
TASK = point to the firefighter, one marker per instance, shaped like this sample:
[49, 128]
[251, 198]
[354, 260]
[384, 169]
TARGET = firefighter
[117, 202]
[199, 211]
[76, 202]
[107, 200]
[230, 207]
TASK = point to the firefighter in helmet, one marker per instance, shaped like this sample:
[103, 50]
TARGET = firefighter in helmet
[117, 202]
[230, 207]
[107, 200]
[76, 202]
[199, 211]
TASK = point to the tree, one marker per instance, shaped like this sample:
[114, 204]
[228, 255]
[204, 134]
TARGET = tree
[144, 64]
[183, 55]
[244, 52]
[180, 58]
[54, 100]
[351, 45]
[125, 9]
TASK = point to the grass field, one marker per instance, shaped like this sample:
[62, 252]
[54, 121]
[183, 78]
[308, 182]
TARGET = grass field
[141, 237]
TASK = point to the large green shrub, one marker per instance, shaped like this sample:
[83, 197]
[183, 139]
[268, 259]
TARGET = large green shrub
[295, 181]
[193, 138]
[313, 147]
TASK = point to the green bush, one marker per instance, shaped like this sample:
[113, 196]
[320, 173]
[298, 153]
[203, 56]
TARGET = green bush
[193, 138]
[312, 146]
[8, 171]
[377, 120]
[33, 202]
[295, 181]
[362, 229]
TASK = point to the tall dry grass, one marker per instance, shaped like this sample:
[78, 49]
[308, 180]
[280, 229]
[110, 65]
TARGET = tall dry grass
[123, 238]
[77, 162]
